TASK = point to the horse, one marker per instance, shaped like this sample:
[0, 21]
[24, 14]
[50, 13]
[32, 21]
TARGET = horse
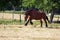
[35, 15]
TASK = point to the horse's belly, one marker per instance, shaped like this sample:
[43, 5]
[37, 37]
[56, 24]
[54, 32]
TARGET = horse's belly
[36, 18]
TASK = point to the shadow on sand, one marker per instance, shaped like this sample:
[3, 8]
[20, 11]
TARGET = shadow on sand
[56, 21]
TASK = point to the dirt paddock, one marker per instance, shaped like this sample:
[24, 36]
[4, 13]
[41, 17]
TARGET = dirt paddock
[21, 32]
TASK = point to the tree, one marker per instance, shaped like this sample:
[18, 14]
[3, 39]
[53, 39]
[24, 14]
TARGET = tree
[54, 7]
[6, 3]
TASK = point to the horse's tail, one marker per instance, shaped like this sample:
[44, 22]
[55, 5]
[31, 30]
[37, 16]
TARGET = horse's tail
[48, 19]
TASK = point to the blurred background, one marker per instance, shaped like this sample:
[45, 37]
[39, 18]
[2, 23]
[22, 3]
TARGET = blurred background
[13, 10]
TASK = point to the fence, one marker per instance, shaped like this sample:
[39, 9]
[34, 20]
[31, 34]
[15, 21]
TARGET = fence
[11, 16]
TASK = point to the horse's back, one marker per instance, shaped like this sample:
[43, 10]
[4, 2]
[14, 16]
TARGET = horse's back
[34, 14]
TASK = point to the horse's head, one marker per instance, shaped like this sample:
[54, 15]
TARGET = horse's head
[26, 15]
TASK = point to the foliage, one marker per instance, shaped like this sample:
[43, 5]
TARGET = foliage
[39, 4]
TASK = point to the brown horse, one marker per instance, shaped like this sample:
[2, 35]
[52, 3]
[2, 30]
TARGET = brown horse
[37, 15]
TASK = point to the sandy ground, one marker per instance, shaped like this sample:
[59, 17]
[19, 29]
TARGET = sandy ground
[21, 32]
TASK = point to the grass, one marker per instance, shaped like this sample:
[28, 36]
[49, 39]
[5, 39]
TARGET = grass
[17, 22]
[7, 22]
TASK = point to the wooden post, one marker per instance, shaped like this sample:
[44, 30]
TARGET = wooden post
[13, 9]
[20, 17]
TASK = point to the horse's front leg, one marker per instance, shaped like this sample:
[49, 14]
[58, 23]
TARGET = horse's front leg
[28, 19]
[26, 23]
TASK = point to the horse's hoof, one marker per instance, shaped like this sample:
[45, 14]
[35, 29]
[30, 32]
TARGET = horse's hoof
[25, 24]
[41, 26]
[46, 27]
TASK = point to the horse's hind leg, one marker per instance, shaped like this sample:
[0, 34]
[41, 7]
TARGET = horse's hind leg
[41, 22]
[31, 22]
[46, 23]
